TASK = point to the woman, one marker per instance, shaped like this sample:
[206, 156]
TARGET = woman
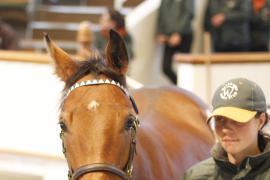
[242, 151]
[113, 19]
[174, 31]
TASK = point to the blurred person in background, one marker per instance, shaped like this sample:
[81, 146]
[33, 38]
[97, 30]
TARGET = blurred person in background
[85, 39]
[174, 31]
[259, 26]
[8, 37]
[112, 19]
[228, 22]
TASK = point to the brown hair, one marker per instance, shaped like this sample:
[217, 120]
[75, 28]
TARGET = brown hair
[257, 115]
[118, 18]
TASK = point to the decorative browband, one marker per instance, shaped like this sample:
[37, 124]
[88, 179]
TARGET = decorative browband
[96, 82]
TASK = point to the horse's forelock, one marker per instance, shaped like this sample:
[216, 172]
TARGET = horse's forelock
[96, 67]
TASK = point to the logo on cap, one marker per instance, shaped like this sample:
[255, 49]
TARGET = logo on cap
[229, 91]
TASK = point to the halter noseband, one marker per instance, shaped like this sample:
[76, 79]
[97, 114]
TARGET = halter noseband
[99, 167]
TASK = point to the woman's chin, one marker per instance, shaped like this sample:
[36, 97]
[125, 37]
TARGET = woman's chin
[230, 147]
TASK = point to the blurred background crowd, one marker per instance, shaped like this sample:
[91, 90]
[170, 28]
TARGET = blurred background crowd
[82, 26]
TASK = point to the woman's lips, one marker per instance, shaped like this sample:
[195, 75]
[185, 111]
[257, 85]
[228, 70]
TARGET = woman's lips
[229, 140]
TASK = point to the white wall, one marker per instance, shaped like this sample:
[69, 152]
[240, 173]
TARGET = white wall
[29, 96]
[141, 23]
[203, 80]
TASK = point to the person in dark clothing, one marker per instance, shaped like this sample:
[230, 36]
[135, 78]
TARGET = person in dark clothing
[260, 25]
[242, 151]
[228, 24]
[113, 19]
[8, 37]
[174, 31]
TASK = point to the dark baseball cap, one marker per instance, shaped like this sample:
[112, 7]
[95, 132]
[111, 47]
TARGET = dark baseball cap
[238, 99]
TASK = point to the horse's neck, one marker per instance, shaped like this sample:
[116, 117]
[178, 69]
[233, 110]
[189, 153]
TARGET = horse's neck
[172, 126]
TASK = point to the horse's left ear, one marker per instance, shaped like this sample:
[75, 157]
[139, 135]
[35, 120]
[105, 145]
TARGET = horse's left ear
[65, 66]
[116, 53]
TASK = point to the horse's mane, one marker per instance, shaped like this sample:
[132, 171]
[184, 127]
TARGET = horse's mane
[95, 67]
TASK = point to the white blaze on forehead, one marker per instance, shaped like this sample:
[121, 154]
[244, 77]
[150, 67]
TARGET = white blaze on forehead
[93, 105]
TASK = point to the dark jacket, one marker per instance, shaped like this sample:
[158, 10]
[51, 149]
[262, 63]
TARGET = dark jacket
[219, 168]
[175, 16]
[235, 31]
[260, 26]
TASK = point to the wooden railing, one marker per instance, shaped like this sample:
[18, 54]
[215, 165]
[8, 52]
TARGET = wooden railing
[20, 153]
[13, 2]
[43, 58]
[200, 73]
[24, 56]
[216, 58]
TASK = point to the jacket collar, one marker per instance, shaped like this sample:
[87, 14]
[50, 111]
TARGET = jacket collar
[221, 159]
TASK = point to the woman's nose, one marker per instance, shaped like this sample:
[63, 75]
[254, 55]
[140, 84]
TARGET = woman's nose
[225, 129]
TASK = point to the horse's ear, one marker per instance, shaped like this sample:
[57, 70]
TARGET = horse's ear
[116, 53]
[65, 66]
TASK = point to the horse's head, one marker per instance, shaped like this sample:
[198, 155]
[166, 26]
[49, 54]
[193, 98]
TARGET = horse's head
[98, 117]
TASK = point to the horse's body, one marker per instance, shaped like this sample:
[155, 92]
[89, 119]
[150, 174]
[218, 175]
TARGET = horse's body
[173, 134]
[99, 121]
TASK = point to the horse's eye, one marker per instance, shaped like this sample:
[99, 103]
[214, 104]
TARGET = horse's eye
[129, 122]
[63, 126]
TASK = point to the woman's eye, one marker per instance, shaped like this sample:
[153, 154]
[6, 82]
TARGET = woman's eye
[63, 126]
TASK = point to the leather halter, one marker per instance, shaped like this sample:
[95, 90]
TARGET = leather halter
[125, 174]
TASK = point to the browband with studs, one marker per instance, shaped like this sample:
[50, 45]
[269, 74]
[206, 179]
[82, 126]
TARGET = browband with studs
[103, 81]
[96, 82]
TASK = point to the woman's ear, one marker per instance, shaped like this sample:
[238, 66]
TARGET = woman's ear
[262, 120]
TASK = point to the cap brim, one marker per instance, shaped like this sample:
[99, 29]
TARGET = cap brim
[233, 113]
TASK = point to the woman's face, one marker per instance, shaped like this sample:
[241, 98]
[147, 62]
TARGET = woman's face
[105, 22]
[238, 138]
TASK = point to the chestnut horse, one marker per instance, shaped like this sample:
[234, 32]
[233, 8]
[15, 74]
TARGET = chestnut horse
[101, 122]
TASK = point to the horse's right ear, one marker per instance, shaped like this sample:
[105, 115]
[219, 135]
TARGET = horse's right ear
[65, 66]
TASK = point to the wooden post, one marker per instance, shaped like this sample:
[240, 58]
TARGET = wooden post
[207, 52]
